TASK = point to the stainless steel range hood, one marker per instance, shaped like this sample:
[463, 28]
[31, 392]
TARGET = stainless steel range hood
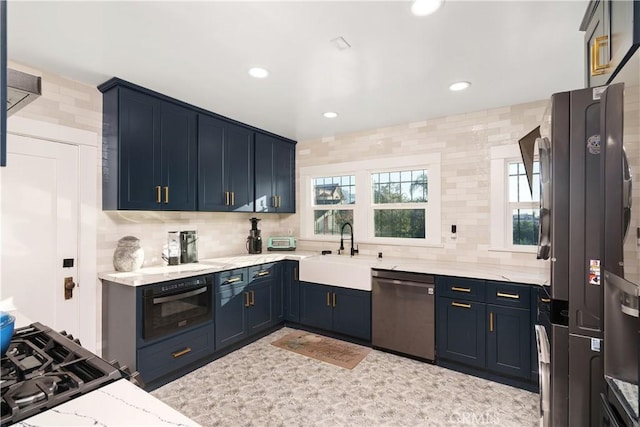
[22, 88]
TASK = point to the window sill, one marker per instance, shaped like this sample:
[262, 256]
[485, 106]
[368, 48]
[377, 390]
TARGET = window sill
[524, 250]
[336, 239]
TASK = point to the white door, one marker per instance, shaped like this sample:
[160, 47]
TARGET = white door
[39, 220]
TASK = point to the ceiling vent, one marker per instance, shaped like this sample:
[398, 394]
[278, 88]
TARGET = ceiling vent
[22, 88]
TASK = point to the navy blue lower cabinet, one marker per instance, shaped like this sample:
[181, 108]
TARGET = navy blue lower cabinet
[352, 312]
[461, 331]
[291, 291]
[260, 310]
[232, 298]
[315, 305]
[508, 341]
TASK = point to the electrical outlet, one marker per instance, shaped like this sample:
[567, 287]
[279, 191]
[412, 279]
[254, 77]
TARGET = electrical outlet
[290, 232]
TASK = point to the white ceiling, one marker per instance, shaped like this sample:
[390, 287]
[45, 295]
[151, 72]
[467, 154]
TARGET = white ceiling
[398, 68]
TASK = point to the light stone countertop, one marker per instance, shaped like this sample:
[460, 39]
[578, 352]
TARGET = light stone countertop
[150, 275]
[120, 403]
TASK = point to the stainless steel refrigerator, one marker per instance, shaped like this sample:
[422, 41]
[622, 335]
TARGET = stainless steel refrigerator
[571, 218]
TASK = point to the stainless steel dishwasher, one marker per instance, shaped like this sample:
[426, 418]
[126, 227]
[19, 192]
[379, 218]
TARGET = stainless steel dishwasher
[403, 313]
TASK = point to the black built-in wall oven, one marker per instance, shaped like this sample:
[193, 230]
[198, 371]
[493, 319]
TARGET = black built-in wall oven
[176, 305]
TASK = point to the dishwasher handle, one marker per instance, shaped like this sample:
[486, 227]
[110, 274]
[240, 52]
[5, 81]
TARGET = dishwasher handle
[394, 282]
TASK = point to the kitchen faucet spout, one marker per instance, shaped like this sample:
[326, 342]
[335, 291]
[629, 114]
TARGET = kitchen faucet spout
[353, 250]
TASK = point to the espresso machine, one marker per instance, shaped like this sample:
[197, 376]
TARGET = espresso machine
[254, 241]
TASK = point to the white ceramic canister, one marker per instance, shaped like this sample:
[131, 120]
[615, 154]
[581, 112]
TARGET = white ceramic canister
[129, 255]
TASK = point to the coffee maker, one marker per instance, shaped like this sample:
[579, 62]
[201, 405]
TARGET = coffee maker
[188, 247]
[254, 241]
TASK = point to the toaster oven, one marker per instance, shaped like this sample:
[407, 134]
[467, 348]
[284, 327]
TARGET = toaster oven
[287, 243]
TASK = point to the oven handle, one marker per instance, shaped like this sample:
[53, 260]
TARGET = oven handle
[179, 296]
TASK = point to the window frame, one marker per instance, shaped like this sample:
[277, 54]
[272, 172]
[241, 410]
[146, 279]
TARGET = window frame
[501, 222]
[363, 214]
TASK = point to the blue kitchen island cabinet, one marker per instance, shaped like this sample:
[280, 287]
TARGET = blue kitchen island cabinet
[275, 174]
[225, 165]
[149, 151]
[335, 309]
[247, 301]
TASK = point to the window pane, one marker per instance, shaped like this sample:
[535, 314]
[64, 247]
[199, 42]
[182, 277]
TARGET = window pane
[513, 188]
[404, 223]
[400, 187]
[524, 192]
[526, 223]
[519, 190]
[337, 190]
[330, 221]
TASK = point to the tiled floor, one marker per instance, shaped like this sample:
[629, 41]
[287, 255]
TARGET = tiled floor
[262, 385]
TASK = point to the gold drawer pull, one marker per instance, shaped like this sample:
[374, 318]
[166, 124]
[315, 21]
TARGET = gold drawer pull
[512, 296]
[253, 297]
[459, 304]
[457, 289]
[263, 273]
[490, 321]
[233, 198]
[596, 67]
[166, 195]
[233, 280]
[158, 194]
[545, 299]
[181, 352]
[334, 299]
[226, 198]
[247, 301]
[328, 299]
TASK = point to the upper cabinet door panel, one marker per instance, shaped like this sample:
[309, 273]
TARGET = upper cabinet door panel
[275, 174]
[265, 201]
[211, 164]
[139, 171]
[284, 175]
[239, 167]
[178, 141]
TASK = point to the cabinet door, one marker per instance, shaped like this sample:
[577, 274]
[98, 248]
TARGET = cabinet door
[509, 341]
[238, 165]
[140, 162]
[260, 311]
[230, 317]
[461, 331]
[178, 147]
[225, 166]
[291, 291]
[265, 200]
[598, 45]
[284, 175]
[315, 305]
[352, 312]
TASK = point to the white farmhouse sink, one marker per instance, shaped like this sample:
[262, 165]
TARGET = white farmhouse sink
[338, 270]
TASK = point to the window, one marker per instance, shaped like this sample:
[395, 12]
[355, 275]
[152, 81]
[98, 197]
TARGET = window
[523, 206]
[330, 195]
[399, 203]
[390, 200]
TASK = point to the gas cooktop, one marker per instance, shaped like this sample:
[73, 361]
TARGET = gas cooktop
[43, 368]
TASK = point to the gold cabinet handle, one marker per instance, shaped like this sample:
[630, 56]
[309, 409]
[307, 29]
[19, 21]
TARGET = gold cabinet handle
[273, 201]
[232, 280]
[247, 302]
[233, 198]
[328, 299]
[334, 299]
[545, 300]
[263, 273]
[512, 296]
[596, 67]
[158, 194]
[277, 201]
[491, 321]
[166, 195]
[458, 289]
[226, 198]
[181, 352]
[295, 273]
[459, 304]
[253, 297]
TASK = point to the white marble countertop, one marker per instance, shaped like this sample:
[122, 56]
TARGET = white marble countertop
[120, 403]
[155, 274]
[150, 275]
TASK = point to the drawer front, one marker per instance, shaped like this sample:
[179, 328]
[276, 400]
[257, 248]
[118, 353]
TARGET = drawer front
[509, 294]
[164, 357]
[227, 280]
[459, 288]
[262, 272]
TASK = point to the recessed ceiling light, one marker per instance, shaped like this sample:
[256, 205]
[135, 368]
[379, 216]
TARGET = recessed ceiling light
[258, 73]
[330, 115]
[459, 86]
[425, 7]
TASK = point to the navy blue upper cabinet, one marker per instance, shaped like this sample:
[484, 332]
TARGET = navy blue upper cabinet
[275, 174]
[225, 166]
[149, 152]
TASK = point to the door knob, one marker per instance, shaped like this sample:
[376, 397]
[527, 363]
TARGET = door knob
[68, 287]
